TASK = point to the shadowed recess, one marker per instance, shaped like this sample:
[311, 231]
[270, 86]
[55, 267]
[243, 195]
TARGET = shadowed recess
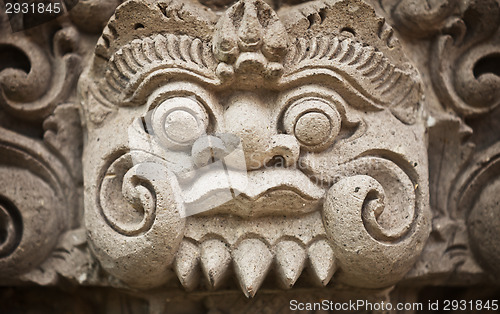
[12, 57]
[11, 226]
[488, 64]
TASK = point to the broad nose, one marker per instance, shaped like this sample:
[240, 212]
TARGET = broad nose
[252, 121]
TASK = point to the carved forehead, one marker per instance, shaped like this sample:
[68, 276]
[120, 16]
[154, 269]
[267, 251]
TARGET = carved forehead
[137, 19]
[141, 18]
[253, 46]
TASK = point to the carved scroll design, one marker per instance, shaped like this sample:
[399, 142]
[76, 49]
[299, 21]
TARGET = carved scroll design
[365, 66]
[40, 147]
[41, 80]
[70, 259]
[33, 203]
[12, 227]
[465, 49]
[136, 63]
[464, 37]
[476, 197]
[375, 221]
[63, 136]
[460, 78]
[463, 184]
[447, 252]
[138, 207]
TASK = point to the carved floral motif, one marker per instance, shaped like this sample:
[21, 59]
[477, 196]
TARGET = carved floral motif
[40, 150]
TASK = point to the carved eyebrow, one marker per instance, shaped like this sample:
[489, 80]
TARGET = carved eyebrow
[368, 72]
[142, 62]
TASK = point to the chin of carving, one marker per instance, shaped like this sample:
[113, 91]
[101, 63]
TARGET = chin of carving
[375, 222]
[142, 226]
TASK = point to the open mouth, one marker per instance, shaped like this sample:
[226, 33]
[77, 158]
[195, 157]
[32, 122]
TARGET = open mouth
[254, 193]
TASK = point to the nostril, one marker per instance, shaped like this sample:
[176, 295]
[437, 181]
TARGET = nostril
[285, 151]
[277, 161]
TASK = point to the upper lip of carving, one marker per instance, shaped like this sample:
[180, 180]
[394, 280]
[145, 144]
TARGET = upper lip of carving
[253, 184]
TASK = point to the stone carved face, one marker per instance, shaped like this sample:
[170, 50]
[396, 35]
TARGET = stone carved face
[252, 142]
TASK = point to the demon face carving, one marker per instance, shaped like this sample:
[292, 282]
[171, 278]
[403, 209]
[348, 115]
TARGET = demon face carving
[253, 140]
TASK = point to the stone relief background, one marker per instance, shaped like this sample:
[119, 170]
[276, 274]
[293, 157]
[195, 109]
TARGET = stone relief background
[57, 97]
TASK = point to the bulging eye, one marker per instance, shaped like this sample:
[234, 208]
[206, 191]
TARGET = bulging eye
[314, 122]
[179, 121]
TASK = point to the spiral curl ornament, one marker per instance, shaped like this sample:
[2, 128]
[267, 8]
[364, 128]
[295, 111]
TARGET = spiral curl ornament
[376, 222]
[464, 58]
[128, 200]
[33, 203]
[137, 219]
[478, 201]
[38, 81]
[11, 227]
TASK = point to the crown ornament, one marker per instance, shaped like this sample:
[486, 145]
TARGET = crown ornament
[250, 40]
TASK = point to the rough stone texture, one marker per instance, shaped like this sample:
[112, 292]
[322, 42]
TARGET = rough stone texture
[229, 156]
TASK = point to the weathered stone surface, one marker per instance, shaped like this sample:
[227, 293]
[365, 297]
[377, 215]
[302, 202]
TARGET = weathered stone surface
[310, 116]
[231, 156]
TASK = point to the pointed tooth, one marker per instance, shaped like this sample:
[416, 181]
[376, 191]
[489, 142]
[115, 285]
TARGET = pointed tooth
[252, 260]
[290, 260]
[186, 265]
[322, 261]
[215, 260]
